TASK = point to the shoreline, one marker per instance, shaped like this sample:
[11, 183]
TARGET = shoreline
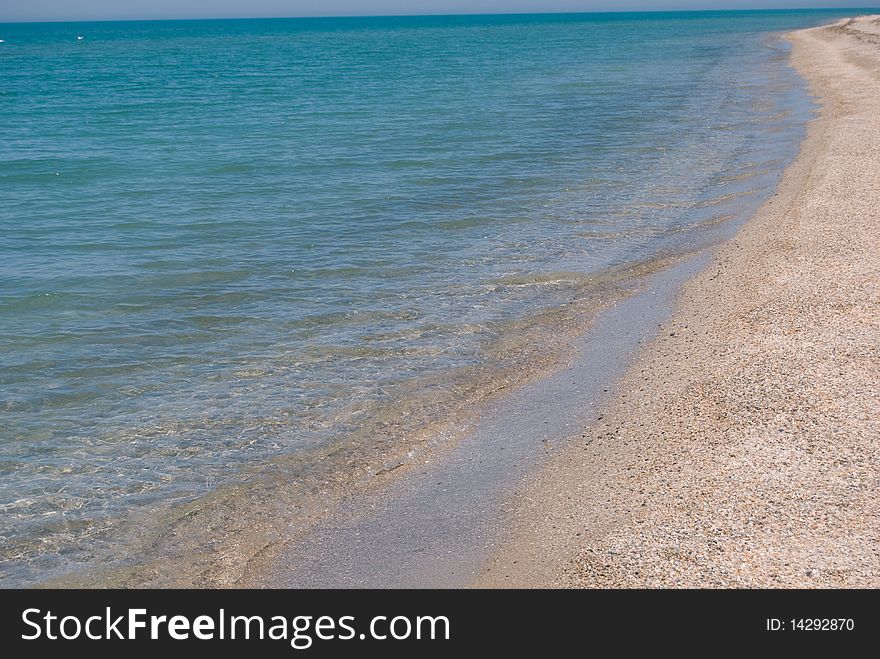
[740, 449]
[436, 524]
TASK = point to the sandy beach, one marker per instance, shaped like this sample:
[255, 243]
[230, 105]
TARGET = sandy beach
[741, 449]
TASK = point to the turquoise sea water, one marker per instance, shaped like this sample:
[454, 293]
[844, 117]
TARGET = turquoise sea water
[221, 241]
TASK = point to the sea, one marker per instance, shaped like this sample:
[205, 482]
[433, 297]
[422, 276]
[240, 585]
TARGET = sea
[225, 242]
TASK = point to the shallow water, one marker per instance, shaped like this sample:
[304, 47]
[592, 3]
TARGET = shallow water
[224, 241]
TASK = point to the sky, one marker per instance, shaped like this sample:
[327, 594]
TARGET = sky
[54, 10]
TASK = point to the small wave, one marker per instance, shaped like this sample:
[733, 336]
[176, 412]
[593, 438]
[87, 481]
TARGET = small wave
[544, 279]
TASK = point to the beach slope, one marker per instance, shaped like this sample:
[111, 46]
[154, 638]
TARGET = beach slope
[743, 445]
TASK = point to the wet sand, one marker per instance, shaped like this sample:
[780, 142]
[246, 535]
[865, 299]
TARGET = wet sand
[437, 523]
[742, 447]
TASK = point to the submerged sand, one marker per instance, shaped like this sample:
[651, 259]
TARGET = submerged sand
[743, 447]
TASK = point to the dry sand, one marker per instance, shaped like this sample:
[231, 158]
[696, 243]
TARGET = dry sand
[743, 447]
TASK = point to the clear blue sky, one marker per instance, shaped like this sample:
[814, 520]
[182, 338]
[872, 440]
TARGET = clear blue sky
[39, 10]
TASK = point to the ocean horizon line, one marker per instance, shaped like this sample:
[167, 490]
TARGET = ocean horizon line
[622, 12]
